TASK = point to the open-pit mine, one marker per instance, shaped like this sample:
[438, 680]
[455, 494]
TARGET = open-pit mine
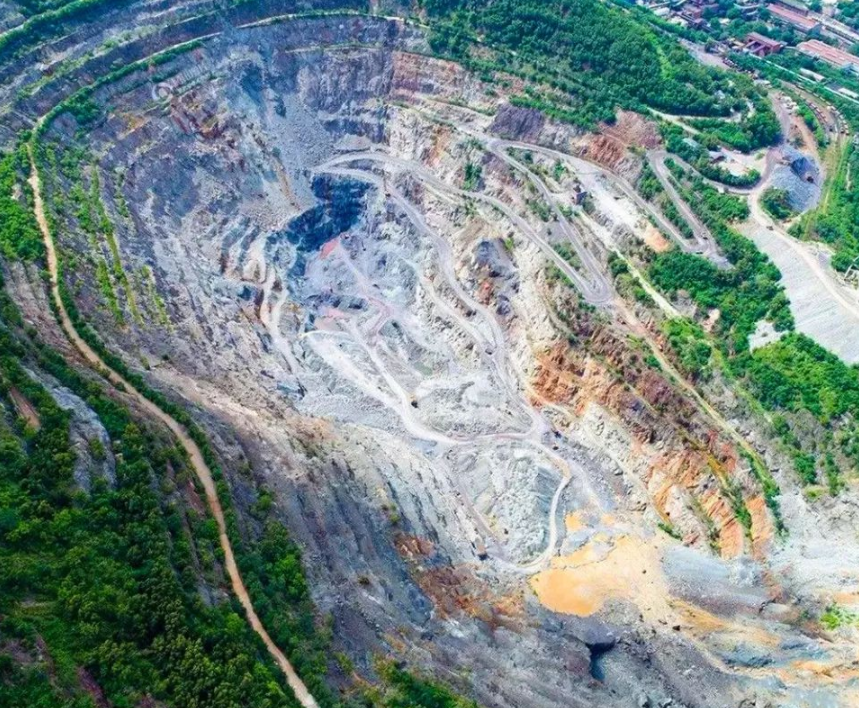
[365, 295]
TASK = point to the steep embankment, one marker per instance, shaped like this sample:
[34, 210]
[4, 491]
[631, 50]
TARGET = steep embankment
[195, 455]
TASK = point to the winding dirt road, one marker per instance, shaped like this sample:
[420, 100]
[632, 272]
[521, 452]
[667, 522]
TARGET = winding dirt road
[195, 455]
[600, 287]
[705, 245]
[494, 348]
[589, 285]
[498, 351]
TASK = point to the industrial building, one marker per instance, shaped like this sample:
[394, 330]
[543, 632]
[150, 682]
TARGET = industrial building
[831, 55]
[762, 46]
[794, 18]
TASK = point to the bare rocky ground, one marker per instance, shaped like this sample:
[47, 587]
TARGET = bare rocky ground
[824, 307]
[474, 460]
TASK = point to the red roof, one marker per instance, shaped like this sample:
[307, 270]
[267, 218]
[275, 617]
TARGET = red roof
[764, 40]
[826, 52]
[793, 18]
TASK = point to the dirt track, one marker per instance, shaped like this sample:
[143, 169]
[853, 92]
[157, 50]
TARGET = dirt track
[195, 455]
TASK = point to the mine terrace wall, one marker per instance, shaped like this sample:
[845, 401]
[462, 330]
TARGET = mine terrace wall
[184, 24]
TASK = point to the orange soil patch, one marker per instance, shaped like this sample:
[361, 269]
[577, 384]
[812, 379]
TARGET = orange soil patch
[762, 524]
[847, 597]
[685, 470]
[25, 409]
[605, 150]
[582, 582]
[456, 589]
[633, 129]
[418, 74]
[654, 239]
[675, 468]
[414, 547]
[704, 624]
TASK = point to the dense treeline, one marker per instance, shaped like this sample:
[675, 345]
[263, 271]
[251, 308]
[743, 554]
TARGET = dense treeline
[714, 207]
[48, 19]
[102, 592]
[776, 203]
[648, 184]
[592, 58]
[744, 294]
[192, 654]
[795, 374]
[107, 583]
[756, 130]
[588, 48]
[791, 377]
[837, 222]
[691, 348]
[36, 7]
[848, 12]
[19, 234]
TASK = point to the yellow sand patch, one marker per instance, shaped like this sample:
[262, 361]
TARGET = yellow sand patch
[574, 522]
[580, 583]
[607, 520]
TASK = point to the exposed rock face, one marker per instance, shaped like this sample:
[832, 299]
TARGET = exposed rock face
[799, 176]
[679, 459]
[302, 211]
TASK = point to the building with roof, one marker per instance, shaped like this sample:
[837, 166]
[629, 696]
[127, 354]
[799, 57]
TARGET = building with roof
[795, 5]
[800, 22]
[693, 15]
[831, 55]
[762, 46]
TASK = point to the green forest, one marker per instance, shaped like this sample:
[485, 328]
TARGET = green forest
[598, 55]
[19, 235]
[107, 583]
[744, 294]
[836, 222]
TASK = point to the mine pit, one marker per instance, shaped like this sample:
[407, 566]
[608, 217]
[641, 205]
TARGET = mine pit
[420, 309]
